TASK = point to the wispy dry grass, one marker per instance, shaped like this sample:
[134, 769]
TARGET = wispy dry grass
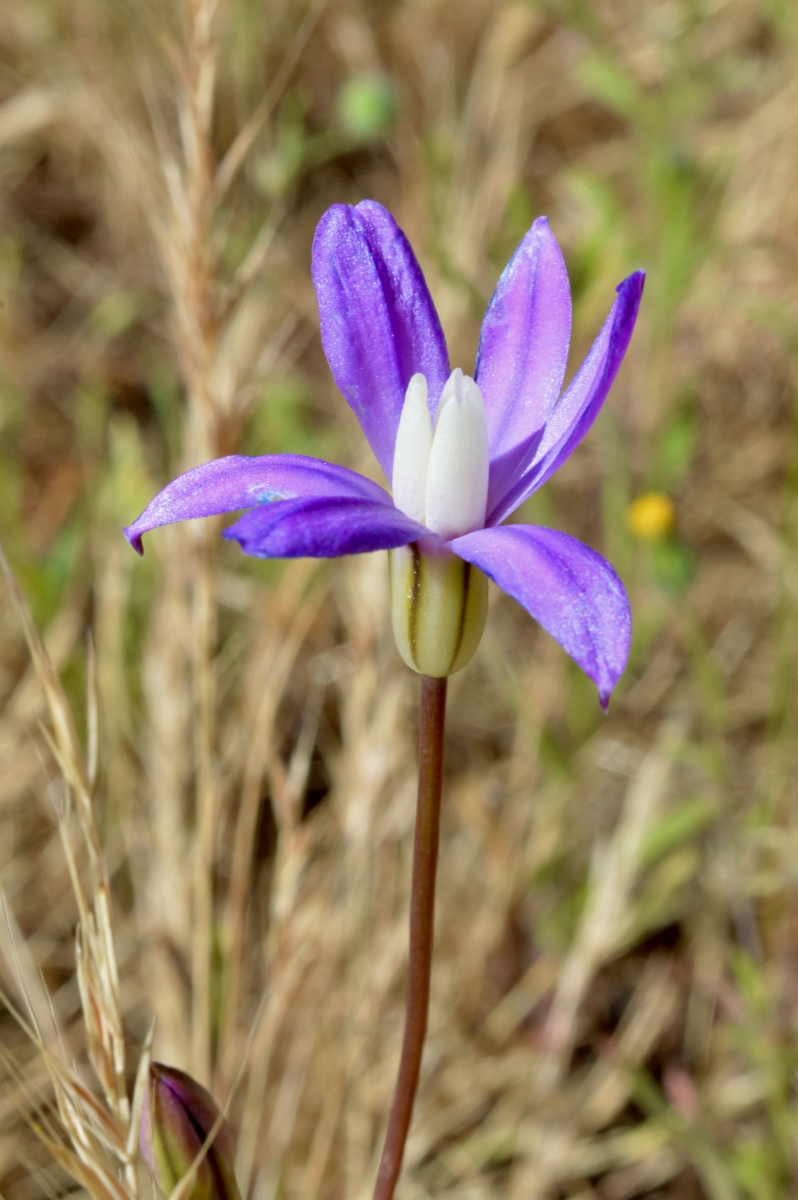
[220, 800]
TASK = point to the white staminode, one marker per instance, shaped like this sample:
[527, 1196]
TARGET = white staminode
[441, 480]
[411, 455]
[457, 475]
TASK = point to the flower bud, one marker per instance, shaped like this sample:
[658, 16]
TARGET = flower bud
[176, 1118]
[438, 607]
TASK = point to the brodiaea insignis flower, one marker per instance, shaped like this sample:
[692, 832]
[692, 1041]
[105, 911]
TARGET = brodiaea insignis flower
[461, 453]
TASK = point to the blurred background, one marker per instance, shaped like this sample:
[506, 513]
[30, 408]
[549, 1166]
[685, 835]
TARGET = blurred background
[616, 981]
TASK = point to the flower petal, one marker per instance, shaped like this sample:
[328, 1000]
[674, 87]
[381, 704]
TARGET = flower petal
[573, 592]
[582, 400]
[378, 323]
[235, 482]
[523, 346]
[322, 527]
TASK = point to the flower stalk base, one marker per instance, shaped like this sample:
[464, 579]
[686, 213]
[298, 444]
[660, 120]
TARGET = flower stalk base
[422, 915]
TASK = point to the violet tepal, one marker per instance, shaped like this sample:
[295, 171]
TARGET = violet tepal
[461, 453]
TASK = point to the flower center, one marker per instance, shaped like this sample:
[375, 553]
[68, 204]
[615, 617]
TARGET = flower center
[440, 477]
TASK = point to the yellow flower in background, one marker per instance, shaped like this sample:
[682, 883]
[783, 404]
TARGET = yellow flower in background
[651, 517]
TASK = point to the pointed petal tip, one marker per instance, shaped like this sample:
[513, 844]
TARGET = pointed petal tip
[134, 539]
[373, 206]
[333, 224]
[330, 215]
[605, 677]
[632, 283]
[341, 213]
[627, 306]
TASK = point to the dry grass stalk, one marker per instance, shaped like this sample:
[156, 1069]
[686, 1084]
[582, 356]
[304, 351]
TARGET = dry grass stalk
[92, 1127]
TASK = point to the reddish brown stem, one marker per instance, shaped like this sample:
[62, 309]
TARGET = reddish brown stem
[422, 916]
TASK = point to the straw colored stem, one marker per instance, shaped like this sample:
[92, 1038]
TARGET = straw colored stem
[422, 916]
[195, 287]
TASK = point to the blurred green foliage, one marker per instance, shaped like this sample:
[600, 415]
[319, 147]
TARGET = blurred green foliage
[367, 106]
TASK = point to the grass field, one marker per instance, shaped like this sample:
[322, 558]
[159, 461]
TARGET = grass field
[207, 763]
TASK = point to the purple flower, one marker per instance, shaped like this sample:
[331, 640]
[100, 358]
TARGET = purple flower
[461, 453]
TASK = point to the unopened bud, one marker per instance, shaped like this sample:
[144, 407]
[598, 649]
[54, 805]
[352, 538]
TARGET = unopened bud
[438, 608]
[177, 1116]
